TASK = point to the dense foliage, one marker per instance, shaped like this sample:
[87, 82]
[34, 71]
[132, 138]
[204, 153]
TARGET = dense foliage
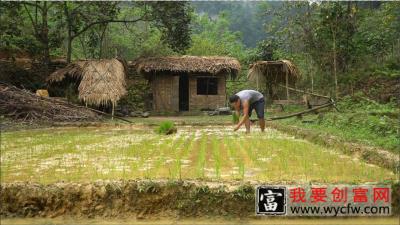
[78, 30]
[340, 48]
[337, 44]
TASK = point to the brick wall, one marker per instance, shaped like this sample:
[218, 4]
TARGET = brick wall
[198, 102]
[165, 89]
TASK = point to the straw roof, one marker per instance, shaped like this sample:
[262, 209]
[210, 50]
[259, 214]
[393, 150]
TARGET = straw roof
[189, 64]
[102, 81]
[273, 72]
[73, 70]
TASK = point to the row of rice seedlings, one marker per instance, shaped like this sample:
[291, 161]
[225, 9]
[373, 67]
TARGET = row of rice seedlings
[226, 159]
[302, 161]
[233, 152]
[175, 170]
[230, 154]
[216, 156]
[201, 160]
[244, 149]
[55, 148]
[250, 147]
[188, 147]
[140, 151]
[64, 144]
[260, 152]
[150, 168]
[167, 148]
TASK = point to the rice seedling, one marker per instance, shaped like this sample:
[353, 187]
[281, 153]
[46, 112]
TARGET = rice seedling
[83, 154]
[202, 157]
[216, 156]
[166, 127]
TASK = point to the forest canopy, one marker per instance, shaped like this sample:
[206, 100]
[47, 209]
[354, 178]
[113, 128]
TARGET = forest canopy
[334, 44]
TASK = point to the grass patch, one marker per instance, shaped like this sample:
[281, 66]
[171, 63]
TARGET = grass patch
[361, 128]
[358, 121]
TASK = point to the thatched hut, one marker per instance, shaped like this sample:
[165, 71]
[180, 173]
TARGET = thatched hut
[100, 81]
[272, 73]
[188, 83]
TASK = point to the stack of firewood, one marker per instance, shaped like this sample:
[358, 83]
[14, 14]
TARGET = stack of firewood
[23, 105]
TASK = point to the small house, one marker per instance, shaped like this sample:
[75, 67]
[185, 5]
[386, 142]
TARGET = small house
[188, 83]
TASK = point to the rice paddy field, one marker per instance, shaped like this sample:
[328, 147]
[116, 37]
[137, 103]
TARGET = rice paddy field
[212, 153]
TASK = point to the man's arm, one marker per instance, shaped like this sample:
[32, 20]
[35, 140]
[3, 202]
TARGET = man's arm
[238, 115]
[245, 115]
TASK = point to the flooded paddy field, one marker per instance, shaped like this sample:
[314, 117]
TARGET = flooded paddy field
[131, 172]
[215, 153]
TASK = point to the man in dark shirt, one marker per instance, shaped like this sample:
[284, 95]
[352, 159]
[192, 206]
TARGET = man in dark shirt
[247, 100]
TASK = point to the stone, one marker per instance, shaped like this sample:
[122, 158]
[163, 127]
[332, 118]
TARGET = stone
[145, 114]
[224, 111]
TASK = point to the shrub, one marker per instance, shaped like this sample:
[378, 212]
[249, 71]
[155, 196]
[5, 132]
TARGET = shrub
[166, 127]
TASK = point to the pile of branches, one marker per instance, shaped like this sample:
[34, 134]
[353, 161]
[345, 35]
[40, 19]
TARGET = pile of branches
[25, 106]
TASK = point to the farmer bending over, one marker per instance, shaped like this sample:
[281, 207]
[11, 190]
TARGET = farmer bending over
[247, 100]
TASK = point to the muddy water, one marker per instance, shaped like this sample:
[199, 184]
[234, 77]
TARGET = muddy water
[294, 221]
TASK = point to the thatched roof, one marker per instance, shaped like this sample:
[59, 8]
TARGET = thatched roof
[102, 81]
[73, 70]
[273, 72]
[189, 64]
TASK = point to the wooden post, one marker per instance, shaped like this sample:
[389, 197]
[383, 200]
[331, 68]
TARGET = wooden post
[257, 83]
[287, 85]
[112, 112]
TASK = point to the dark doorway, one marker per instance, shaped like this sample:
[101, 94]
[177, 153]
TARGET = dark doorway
[183, 93]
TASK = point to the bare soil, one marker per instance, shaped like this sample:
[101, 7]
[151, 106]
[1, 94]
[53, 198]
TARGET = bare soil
[140, 199]
[198, 221]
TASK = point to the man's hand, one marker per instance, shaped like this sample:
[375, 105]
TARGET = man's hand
[245, 115]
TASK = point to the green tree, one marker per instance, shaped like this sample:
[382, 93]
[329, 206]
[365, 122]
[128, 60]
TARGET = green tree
[213, 37]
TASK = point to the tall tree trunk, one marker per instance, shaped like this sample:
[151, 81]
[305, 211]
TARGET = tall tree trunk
[101, 44]
[335, 67]
[45, 39]
[69, 32]
[69, 47]
[312, 81]
[334, 33]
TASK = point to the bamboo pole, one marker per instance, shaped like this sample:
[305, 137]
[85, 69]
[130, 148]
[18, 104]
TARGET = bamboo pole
[331, 103]
[305, 92]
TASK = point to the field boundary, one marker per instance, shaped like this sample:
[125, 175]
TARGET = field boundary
[140, 199]
[373, 155]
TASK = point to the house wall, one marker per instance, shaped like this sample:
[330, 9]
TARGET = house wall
[198, 102]
[165, 89]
